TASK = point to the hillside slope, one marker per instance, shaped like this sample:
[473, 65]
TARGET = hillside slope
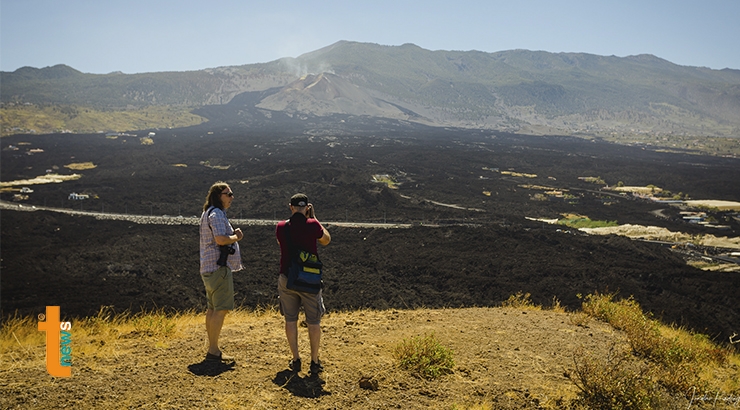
[516, 90]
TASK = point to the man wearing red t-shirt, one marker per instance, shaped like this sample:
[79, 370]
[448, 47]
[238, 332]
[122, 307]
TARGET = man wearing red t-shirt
[305, 231]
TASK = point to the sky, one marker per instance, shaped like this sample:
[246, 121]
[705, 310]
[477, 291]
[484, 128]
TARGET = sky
[138, 36]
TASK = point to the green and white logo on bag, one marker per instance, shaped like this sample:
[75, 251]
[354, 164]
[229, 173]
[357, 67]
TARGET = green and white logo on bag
[308, 259]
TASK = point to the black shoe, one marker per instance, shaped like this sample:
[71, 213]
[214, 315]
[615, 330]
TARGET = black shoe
[316, 367]
[220, 358]
[295, 365]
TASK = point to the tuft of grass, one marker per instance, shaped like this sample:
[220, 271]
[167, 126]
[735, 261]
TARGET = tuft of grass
[424, 356]
[156, 323]
[616, 381]
[521, 300]
[556, 306]
[19, 332]
[387, 180]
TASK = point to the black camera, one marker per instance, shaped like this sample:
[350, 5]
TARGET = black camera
[226, 250]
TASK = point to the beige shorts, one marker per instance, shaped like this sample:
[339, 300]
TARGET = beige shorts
[291, 301]
[219, 288]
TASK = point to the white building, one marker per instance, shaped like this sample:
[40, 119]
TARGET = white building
[75, 196]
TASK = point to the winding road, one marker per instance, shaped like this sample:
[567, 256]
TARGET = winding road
[180, 220]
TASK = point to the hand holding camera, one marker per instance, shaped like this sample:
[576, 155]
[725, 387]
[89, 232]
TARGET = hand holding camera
[309, 211]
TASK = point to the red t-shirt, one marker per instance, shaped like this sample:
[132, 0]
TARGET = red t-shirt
[303, 233]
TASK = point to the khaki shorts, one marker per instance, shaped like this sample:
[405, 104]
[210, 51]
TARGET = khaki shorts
[291, 301]
[219, 288]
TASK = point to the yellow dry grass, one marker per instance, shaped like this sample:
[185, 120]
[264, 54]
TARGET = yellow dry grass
[43, 179]
[79, 166]
[715, 204]
[663, 234]
[637, 189]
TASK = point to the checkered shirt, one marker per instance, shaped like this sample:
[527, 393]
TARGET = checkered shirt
[213, 222]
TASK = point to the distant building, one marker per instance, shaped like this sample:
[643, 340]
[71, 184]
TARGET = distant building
[78, 197]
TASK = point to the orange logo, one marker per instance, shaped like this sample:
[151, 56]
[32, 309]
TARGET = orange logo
[58, 343]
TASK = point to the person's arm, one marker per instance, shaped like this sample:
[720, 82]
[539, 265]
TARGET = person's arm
[222, 240]
[325, 237]
[221, 224]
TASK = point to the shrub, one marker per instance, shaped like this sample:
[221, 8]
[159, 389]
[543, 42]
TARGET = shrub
[677, 356]
[520, 301]
[424, 356]
[615, 382]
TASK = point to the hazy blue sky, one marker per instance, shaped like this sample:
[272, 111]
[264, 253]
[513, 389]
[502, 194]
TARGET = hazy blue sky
[135, 36]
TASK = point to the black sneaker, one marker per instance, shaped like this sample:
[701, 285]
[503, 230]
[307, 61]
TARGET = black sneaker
[220, 358]
[295, 365]
[316, 367]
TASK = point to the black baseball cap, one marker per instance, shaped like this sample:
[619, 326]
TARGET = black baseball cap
[299, 200]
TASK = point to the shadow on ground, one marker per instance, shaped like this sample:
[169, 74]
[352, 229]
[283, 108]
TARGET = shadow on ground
[310, 386]
[210, 368]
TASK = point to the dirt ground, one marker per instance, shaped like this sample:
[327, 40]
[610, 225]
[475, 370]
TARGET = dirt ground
[505, 357]
[469, 244]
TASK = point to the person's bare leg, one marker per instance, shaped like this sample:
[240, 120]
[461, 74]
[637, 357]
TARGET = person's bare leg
[314, 336]
[214, 323]
[291, 332]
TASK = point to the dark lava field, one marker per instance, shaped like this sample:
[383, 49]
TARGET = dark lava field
[465, 194]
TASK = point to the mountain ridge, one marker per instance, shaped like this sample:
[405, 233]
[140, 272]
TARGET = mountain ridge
[515, 90]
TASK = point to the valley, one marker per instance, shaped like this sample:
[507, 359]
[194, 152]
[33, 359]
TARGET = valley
[459, 194]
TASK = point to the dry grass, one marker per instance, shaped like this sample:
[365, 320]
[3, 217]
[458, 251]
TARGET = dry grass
[518, 356]
[520, 300]
[659, 365]
[79, 166]
[43, 179]
[424, 356]
[50, 119]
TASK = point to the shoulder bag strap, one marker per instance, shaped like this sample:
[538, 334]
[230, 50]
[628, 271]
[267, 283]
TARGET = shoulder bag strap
[288, 239]
[209, 211]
